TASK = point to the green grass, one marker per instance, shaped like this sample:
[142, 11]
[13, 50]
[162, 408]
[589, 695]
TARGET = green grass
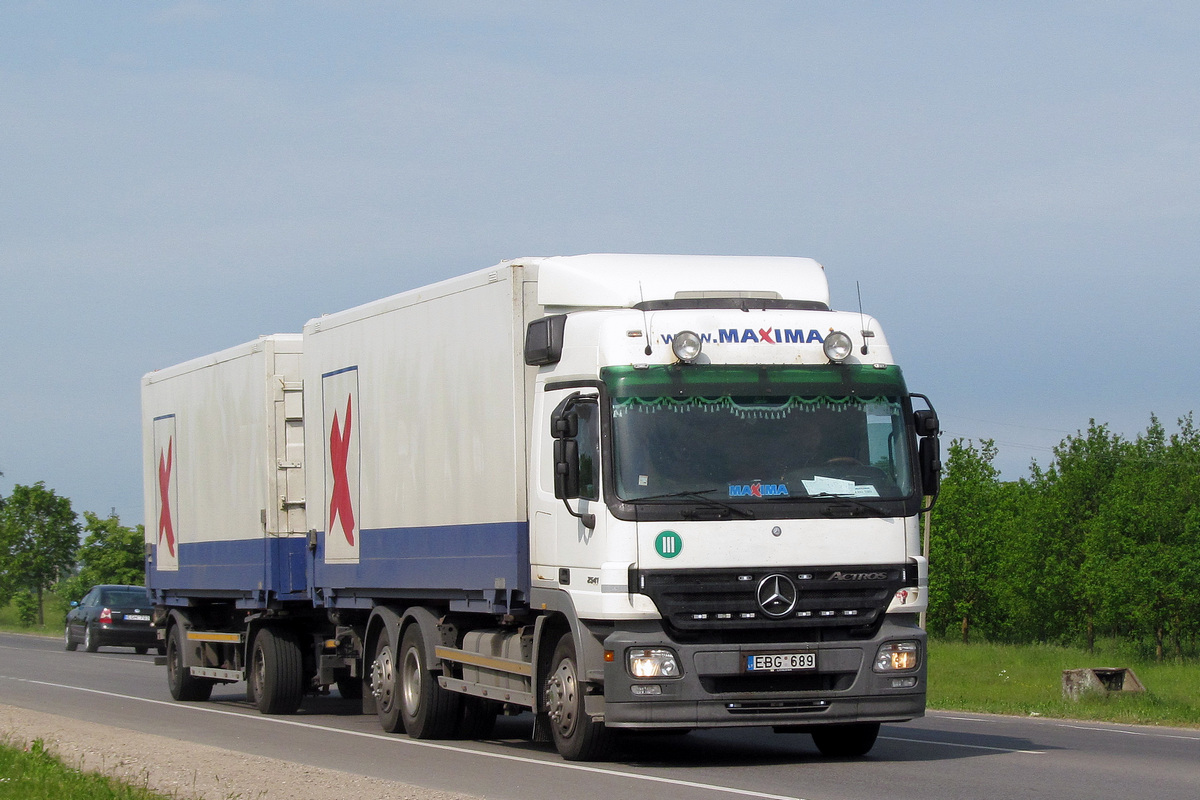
[1027, 680]
[32, 773]
[55, 612]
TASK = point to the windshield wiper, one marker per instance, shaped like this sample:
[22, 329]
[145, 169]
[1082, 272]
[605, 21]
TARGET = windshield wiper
[700, 495]
[846, 503]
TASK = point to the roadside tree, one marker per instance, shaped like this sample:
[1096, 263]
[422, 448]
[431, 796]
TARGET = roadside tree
[39, 534]
[110, 553]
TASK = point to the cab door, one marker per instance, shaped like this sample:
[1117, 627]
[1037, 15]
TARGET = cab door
[568, 533]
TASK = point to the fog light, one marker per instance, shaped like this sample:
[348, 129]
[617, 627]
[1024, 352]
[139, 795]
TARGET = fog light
[646, 689]
[653, 663]
[895, 656]
[686, 346]
[904, 683]
[837, 346]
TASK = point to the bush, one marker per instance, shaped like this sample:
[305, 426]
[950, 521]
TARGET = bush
[27, 608]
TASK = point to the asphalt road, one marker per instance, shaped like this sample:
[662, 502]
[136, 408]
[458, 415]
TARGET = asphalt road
[945, 755]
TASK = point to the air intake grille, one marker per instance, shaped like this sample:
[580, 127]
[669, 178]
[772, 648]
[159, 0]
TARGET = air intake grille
[770, 600]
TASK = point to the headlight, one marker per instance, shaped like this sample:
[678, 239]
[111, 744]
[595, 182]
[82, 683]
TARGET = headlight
[686, 346]
[896, 656]
[838, 346]
[653, 662]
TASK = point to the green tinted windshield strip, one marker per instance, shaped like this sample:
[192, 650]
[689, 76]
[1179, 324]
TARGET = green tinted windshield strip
[767, 409]
[706, 380]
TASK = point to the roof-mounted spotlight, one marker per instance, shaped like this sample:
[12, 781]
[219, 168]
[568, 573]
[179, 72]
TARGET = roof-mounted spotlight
[686, 346]
[838, 346]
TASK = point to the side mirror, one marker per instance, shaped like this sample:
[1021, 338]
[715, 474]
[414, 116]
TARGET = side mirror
[564, 423]
[544, 340]
[564, 420]
[566, 469]
[926, 422]
[929, 453]
[564, 427]
[930, 458]
[74, 604]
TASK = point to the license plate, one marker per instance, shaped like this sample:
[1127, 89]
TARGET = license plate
[138, 617]
[781, 662]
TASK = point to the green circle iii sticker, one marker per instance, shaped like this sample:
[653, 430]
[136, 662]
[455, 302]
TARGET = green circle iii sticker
[668, 544]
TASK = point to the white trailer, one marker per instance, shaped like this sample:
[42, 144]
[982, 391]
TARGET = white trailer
[621, 492]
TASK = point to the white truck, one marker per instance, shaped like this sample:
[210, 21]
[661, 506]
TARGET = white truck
[616, 491]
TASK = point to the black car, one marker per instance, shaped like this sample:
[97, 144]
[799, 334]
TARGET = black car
[112, 616]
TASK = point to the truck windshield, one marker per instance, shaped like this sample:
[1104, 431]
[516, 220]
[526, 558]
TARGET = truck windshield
[759, 434]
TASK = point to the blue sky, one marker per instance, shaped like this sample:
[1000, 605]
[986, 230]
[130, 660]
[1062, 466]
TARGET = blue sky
[1014, 187]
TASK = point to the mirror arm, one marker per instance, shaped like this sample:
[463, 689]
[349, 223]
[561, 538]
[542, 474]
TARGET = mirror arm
[588, 520]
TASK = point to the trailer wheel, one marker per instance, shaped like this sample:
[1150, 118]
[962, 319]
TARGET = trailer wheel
[181, 683]
[277, 671]
[429, 711]
[850, 740]
[576, 736]
[384, 686]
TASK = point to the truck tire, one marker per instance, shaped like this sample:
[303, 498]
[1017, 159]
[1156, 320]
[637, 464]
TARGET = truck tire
[385, 686]
[181, 683]
[428, 710]
[577, 737]
[348, 686]
[850, 740]
[277, 671]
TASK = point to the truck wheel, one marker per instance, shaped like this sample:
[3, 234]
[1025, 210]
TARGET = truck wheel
[846, 741]
[277, 671]
[428, 710]
[576, 736]
[348, 686]
[384, 685]
[89, 640]
[181, 683]
[67, 641]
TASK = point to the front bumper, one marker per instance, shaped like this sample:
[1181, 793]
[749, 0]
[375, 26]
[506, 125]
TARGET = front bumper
[715, 690]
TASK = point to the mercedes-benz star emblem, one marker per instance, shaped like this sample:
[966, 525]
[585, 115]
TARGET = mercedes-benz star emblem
[777, 595]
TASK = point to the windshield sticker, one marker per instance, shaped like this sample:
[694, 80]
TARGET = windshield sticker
[835, 486]
[758, 489]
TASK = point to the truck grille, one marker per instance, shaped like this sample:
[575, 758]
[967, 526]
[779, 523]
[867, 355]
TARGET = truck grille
[764, 601]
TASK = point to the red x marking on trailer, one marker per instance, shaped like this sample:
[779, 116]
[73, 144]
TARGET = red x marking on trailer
[340, 504]
[164, 484]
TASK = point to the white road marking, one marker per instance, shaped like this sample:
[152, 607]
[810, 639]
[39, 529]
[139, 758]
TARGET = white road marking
[1073, 725]
[1155, 734]
[419, 743]
[961, 744]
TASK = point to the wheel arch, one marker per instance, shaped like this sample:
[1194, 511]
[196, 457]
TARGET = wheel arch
[560, 618]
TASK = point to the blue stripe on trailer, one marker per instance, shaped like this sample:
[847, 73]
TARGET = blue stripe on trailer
[443, 560]
[476, 558]
[251, 568]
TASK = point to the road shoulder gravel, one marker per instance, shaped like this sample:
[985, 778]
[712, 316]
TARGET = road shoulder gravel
[190, 771]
